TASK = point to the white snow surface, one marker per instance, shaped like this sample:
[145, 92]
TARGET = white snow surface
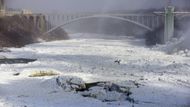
[164, 79]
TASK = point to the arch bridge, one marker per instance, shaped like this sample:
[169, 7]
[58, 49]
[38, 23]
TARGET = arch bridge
[145, 21]
[148, 21]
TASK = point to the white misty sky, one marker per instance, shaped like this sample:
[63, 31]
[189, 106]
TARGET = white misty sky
[84, 5]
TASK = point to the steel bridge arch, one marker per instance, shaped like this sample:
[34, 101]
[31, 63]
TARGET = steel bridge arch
[100, 16]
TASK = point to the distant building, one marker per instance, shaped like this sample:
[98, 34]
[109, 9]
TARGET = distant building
[2, 4]
[24, 11]
[2, 7]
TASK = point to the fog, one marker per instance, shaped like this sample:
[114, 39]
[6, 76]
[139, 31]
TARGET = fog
[89, 5]
[63, 6]
[185, 44]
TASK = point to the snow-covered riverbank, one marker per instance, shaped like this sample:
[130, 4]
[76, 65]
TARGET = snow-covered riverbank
[164, 79]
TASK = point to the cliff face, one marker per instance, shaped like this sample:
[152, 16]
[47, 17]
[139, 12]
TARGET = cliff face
[17, 31]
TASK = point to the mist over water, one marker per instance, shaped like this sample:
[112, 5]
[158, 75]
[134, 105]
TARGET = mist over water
[98, 25]
[185, 44]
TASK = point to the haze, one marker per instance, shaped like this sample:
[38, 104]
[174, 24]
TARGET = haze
[88, 5]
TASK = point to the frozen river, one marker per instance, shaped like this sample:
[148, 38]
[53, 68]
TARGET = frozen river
[164, 79]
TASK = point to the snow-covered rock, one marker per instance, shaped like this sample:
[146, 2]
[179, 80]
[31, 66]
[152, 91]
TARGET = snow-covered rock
[2, 57]
[70, 83]
[4, 50]
[184, 53]
[101, 94]
[107, 91]
[104, 91]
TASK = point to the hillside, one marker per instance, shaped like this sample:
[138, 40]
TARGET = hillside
[17, 31]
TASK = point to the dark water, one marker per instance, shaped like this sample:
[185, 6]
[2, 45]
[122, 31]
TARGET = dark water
[16, 61]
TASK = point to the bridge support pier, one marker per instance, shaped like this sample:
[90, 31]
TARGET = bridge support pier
[169, 24]
[41, 23]
[38, 20]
